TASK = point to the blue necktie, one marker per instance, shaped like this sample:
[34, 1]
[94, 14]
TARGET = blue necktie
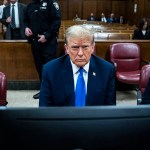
[80, 93]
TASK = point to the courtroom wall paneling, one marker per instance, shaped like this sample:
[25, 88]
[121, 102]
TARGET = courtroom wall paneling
[88, 7]
[85, 7]
[63, 4]
[75, 7]
[103, 6]
[129, 11]
[146, 8]
[119, 7]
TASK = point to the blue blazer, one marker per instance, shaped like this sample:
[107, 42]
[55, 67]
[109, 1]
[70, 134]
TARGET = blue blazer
[57, 86]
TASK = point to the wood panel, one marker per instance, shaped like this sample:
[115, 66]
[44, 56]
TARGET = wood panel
[75, 7]
[16, 60]
[146, 8]
[63, 4]
[103, 6]
[89, 6]
[118, 8]
[85, 7]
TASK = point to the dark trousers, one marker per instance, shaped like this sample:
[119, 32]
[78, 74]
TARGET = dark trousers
[16, 34]
[43, 53]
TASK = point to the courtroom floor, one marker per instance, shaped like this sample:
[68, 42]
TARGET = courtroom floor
[24, 98]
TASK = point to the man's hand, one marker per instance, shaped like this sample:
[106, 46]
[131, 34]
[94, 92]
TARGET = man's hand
[8, 20]
[28, 32]
[42, 38]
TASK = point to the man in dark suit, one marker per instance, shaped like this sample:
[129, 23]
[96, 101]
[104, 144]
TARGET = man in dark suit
[121, 19]
[17, 31]
[43, 20]
[91, 17]
[112, 18]
[60, 76]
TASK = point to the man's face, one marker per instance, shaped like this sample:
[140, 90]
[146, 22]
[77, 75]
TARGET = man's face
[79, 50]
[13, 1]
[145, 25]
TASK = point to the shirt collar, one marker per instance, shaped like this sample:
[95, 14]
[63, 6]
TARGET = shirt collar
[75, 68]
[15, 4]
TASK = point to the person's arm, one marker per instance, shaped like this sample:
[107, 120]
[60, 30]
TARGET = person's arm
[45, 90]
[4, 18]
[55, 20]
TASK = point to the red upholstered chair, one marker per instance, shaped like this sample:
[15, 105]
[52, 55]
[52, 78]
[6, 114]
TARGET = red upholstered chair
[126, 57]
[3, 91]
[143, 86]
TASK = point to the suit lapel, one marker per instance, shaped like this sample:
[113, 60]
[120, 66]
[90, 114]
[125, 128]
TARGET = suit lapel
[91, 86]
[19, 12]
[68, 82]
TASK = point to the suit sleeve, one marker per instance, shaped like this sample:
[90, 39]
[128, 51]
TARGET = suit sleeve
[111, 90]
[45, 90]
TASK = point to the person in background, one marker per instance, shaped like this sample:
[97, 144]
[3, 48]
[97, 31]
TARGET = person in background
[112, 18]
[76, 18]
[91, 17]
[15, 27]
[143, 31]
[60, 84]
[121, 20]
[5, 3]
[103, 18]
[43, 20]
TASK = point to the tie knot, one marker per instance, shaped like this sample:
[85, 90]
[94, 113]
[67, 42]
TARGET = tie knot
[81, 70]
[13, 5]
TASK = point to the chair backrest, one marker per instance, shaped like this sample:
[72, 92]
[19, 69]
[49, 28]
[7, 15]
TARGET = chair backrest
[126, 56]
[145, 75]
[3, 89]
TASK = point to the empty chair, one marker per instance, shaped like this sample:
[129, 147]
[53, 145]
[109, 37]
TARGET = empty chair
[127, 59]
[3, 90]
[143, 93]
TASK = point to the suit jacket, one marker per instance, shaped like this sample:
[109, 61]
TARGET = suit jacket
[57, 86]
[123, 20]
[6, 14]
[139, 35]
[111, 20]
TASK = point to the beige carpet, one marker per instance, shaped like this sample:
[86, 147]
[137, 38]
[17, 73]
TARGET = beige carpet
[24, 98]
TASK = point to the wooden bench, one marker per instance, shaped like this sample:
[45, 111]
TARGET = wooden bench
[121, 31]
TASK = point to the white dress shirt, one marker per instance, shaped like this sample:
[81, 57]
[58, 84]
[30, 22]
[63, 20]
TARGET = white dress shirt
[1, 10]
[76, 73]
